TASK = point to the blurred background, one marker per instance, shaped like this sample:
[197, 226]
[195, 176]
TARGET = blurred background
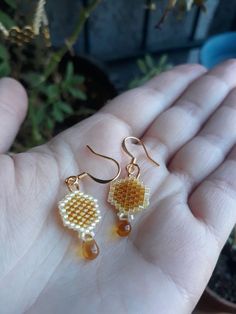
[119, 32]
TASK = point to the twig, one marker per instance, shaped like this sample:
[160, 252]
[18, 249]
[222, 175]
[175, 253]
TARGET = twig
[56, 57]
[170, 5]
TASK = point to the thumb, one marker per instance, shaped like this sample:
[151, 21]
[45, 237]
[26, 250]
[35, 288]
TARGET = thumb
[13, 107]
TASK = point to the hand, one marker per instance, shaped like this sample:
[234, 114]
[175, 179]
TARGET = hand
[187, 119]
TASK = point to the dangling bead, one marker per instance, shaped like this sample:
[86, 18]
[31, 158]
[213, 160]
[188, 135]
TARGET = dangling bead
[90, 248]
[123, 228]
[80, 212]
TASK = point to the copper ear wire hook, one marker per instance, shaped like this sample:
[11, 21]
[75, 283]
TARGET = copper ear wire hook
[73, 181]
[140, 143]
[133, 163]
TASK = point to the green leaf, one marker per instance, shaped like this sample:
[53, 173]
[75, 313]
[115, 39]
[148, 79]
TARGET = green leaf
[5, 69]
[142, 66]
[77, 93]
[74, 82]
[149, 61]
[50, 123]
[6, 20]
[4, 55]
[33, 114]
[64, 86]
[53, 92]
[33, 79]
[77, 79]
[69, 71]
[65, 107]
[58, 116]
[11, 3]
[57, 113]
[151, 69]
[162, 60]
[41, 112]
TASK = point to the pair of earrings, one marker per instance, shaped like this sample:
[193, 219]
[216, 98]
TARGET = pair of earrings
[129, 196]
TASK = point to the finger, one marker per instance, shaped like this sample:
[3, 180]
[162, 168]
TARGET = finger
[214, 201]
[173, 128]
[13, 106]
[203, 154]
[140, 106]
[131, 112]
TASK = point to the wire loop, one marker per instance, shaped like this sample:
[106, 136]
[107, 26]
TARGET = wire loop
[73, 181]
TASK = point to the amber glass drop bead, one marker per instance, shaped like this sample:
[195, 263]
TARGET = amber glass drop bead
[124, 228]
[90, 249]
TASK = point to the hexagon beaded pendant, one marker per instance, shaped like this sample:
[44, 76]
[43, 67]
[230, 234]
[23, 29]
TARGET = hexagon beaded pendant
[129, 195]
[80, 212]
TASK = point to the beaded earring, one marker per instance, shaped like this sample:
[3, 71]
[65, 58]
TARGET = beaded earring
[129, 195]
[80, 212]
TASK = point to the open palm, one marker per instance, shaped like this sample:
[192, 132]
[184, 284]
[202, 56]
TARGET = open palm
[187, 119]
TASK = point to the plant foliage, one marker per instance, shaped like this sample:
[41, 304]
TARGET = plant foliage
[54, 95]
[148, 68]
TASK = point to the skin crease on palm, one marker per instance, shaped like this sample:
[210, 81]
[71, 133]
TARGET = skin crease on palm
[187, 119]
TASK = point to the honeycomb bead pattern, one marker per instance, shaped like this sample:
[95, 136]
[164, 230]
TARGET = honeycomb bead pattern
[21, 36]
[129, 196]
[79, 212]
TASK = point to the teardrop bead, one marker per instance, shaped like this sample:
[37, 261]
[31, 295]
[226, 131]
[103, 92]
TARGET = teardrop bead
[90, 249]
[124, 228]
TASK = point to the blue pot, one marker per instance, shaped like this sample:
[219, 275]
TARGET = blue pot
[218, 48]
